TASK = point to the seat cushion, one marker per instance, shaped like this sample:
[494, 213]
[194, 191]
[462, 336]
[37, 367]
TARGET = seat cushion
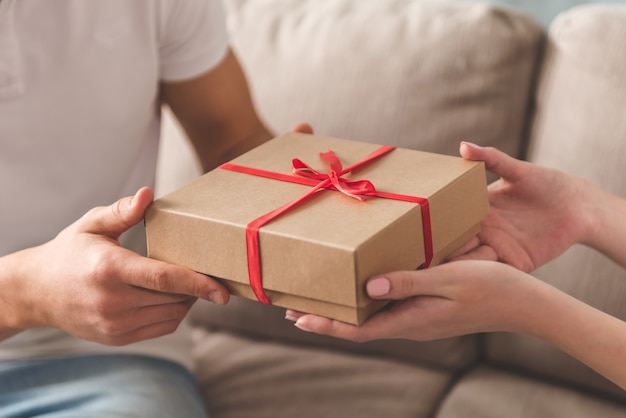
[492, 393]
[251, 318]
[242, 377]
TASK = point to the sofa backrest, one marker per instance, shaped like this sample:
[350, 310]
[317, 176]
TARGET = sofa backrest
[415, 74]
[580, 128]
[418, 74]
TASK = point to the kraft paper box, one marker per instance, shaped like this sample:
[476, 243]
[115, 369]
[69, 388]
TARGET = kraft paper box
[317, 256]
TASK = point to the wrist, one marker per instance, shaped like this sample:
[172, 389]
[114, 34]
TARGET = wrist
[597, 214]
[534, 308]
[16, 304]
[602, 217]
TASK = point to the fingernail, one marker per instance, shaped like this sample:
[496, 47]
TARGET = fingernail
[301, 326]
[292, 315]
[379, 286]
[471, 145]
[216, 297]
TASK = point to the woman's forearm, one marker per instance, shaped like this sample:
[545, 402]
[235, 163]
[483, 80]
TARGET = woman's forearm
[588, 334]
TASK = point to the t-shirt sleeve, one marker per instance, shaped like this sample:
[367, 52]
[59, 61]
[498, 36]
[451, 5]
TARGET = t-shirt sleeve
[192, 38]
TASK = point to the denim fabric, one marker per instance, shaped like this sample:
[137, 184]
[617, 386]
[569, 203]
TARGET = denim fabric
[98, 386]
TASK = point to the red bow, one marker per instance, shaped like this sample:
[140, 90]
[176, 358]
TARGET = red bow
[355, 189]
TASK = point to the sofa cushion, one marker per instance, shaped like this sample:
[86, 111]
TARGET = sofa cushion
[580, 127]
[268, 322]
[490, 393]
[241, 377]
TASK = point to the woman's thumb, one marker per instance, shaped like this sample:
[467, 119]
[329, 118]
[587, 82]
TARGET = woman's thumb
[496, 161]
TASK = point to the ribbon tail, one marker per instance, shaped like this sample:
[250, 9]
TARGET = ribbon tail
[350, 192]
[253, 247]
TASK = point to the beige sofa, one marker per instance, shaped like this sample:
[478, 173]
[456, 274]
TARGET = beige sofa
[425, 75]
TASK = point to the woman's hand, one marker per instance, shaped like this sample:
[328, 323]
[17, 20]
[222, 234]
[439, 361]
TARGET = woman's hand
[83, 282]
[471, 296]
[536, 213]
[456, 298]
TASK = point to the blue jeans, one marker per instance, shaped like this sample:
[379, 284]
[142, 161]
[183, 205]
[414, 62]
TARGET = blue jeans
[98, 386]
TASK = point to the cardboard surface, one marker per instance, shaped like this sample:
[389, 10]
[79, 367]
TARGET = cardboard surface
[317, 257]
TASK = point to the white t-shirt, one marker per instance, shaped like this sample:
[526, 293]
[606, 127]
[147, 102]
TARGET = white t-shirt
[80, 120]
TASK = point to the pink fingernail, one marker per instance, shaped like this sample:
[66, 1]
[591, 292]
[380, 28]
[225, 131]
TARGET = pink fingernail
[301, 326]
[379, 286]
[471, 145]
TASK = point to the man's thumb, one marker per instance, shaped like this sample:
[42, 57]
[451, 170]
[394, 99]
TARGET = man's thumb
[122, 215]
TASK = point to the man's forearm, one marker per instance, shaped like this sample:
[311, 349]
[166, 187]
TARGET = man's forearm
[13, 285]
[217, 113]
[232, 144]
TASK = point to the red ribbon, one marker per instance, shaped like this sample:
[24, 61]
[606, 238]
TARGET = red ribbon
[333, 181]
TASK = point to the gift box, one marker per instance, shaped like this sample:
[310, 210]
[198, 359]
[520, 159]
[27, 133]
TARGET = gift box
[303, 221]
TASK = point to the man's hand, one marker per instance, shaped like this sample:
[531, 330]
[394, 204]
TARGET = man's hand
[303, 128]
[84, 283]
